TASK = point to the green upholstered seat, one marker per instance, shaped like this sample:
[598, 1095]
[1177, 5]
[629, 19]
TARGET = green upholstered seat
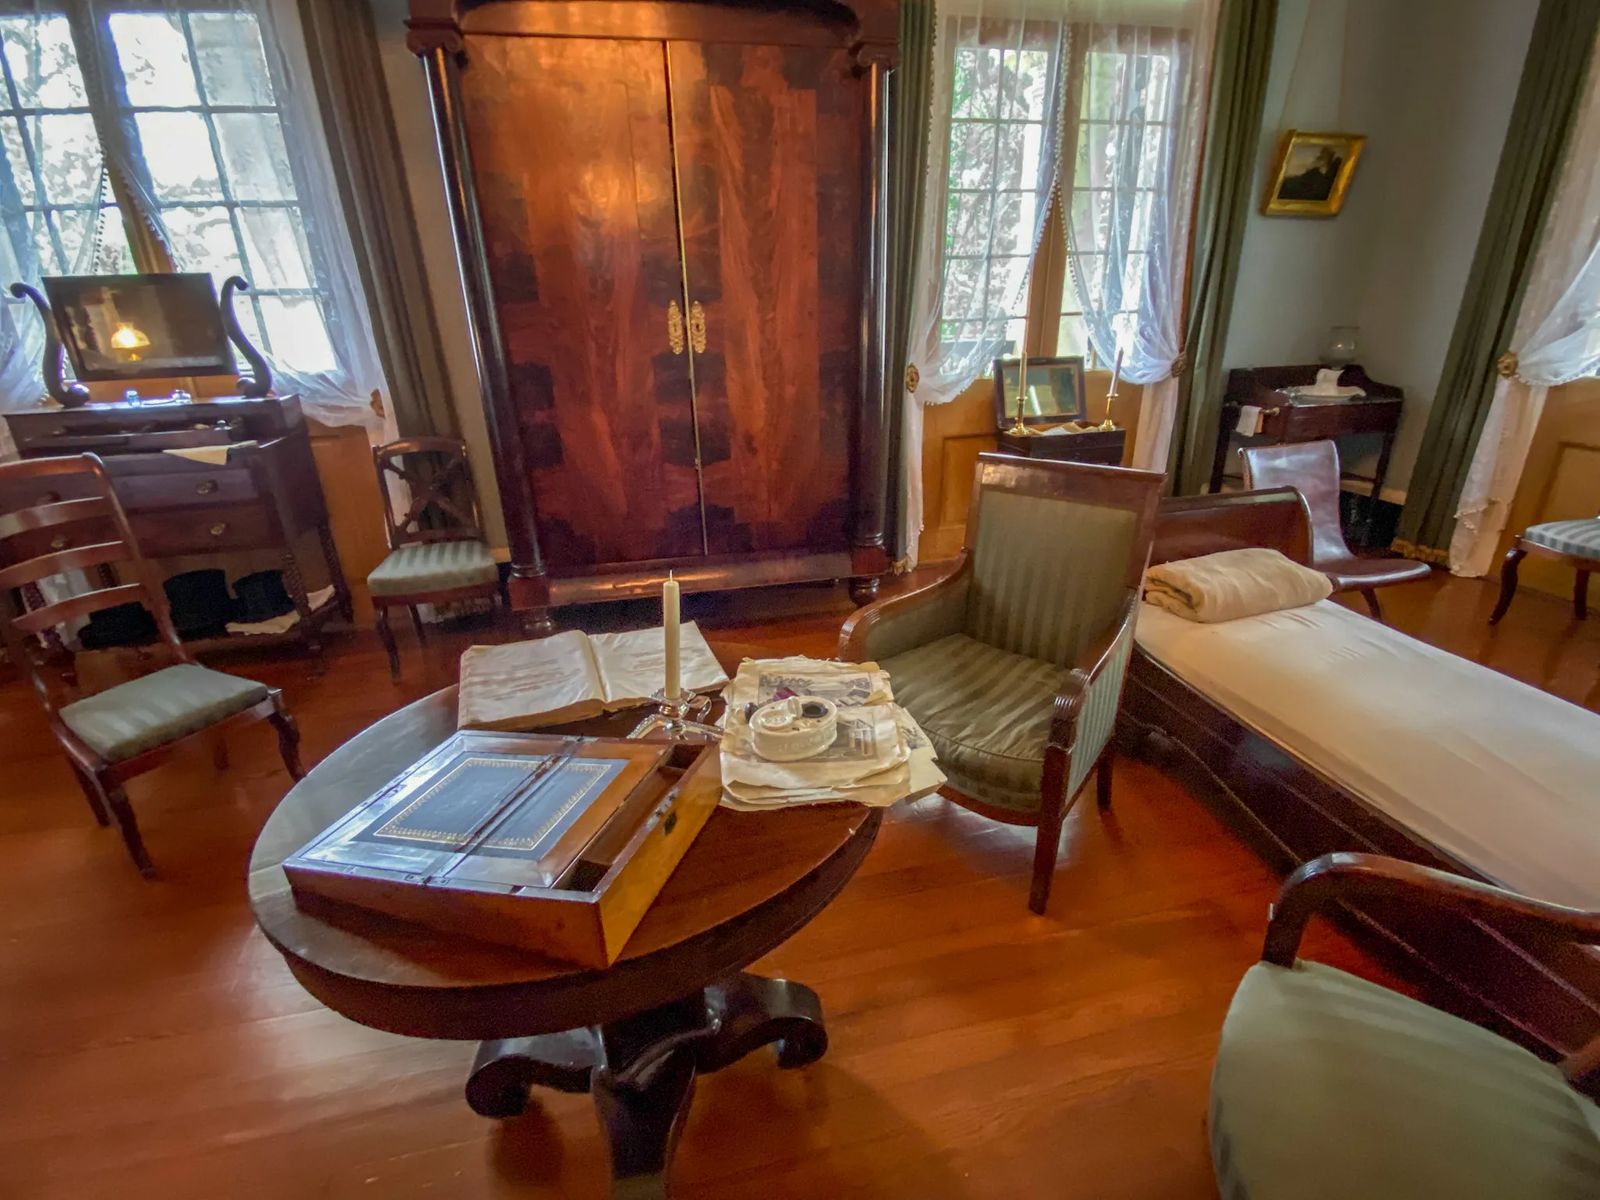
[433, 567]
[986, 711]
[133, 717]
[1328, 1087]
[1580, 538]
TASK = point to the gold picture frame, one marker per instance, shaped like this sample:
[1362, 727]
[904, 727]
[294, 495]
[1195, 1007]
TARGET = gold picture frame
[1311, 173]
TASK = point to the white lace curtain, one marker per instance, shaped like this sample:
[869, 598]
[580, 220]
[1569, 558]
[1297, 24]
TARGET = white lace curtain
[1137, 106]
[246, 190]
[1104, 99]
[1557, 340]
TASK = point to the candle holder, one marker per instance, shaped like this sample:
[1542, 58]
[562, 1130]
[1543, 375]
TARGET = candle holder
[672, 719]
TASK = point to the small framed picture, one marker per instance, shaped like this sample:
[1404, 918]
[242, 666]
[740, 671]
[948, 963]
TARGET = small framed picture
[1311, 173]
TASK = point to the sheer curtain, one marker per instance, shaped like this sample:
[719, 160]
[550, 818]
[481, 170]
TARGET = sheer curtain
[1557, 340]
[993, 162]
[204, 112]
[1136, 99]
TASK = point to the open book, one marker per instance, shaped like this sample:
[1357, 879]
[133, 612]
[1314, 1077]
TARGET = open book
[571, 676]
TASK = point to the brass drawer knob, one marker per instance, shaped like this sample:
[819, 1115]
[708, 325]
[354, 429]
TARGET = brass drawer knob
[205, 487]
[220, 528]
[60, 542]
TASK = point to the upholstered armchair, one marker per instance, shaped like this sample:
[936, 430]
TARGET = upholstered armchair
[1013, 663]
[1327, 1086]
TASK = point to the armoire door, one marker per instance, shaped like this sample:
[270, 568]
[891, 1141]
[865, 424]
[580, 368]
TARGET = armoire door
[769, 144]
[572, 156]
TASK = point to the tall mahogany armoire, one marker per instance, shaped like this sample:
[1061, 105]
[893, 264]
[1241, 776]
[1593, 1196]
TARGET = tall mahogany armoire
[671, 222]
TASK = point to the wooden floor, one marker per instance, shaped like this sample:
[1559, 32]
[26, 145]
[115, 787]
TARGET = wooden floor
[153, 1044]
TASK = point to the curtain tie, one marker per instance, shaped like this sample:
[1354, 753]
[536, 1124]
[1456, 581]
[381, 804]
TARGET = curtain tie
[1179, 365]
[913, 378]
[1506, 364]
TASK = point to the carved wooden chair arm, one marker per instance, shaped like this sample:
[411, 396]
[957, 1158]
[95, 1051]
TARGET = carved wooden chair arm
[1093, 662]
[1335, 878]
[899, 623]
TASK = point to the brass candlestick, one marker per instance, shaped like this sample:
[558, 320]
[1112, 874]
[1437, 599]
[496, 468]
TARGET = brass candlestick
[1019, 427]
[671, 719]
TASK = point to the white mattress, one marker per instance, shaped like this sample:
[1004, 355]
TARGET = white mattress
[1500, 775]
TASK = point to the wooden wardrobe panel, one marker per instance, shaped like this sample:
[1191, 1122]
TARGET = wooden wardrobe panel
[769, 142]
[572, 157]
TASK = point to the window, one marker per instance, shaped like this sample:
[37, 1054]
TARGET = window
[194, 125]
[1000, 101]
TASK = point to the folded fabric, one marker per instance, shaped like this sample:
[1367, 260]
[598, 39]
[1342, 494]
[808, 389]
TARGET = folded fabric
[1233, 584]
[1249, 420]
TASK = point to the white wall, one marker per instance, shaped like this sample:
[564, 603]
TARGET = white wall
[1431, 84]
[408, 94]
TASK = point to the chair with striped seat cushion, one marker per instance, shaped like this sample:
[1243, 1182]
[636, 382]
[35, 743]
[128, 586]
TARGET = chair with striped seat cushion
[1013, 663]
[1328, 1087]
[437, 554]
[164, 706]
[1576, 543]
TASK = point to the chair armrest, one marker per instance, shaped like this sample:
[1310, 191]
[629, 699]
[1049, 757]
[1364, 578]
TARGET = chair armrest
[901, 623]
[1085, 712]
[1093, 662]
[1336, 878]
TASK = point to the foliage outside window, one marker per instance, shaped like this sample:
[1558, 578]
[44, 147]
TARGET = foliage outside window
[1000, 104]
[193, 125]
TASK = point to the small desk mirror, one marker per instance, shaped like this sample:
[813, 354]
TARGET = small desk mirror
[1055, 391]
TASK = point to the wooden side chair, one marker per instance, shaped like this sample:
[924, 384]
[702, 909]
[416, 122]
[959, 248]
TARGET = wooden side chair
[1312, 469]
[1327, 1086]
[69, 520]
[1013, 663]
[1576, 543]
[437, 553]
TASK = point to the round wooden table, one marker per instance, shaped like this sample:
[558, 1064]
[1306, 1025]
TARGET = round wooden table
[675, 1005]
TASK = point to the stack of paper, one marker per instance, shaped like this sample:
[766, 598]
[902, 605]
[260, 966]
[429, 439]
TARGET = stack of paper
[878, 757]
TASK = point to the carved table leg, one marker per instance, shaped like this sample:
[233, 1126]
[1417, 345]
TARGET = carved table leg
[641, 1070]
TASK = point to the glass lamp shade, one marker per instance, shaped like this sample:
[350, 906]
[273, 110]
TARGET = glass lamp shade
[1341, 347]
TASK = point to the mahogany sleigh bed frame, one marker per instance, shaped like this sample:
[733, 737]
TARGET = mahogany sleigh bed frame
[1542, 993]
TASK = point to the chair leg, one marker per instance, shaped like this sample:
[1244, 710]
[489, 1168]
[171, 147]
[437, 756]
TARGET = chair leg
[386, 636]
[288, 743]
[91, 789]
[416, 622]
[1370, 595]
[1508, 582]
[1052, 811]
[122, 812]
[1580, 595]
[1102, 777]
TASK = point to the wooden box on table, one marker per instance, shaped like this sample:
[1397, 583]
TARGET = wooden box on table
[558, 844]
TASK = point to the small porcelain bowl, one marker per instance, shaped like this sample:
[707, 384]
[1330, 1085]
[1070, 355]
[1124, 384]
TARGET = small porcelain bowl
[794, 728]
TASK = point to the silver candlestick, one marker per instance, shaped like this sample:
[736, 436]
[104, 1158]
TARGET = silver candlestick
[673, 719]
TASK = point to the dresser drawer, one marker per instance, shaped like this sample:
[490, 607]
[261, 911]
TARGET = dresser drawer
[200, 485]
[200, 530]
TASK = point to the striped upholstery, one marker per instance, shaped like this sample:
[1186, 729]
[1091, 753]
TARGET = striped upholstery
[1578, 538]
[1098, 716]
[1327, 1087]
[136, 716]
[433, 567]
[986, 711]
[1048, 575]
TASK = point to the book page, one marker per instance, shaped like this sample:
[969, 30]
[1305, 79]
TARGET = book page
[525, 685]
[633, 665]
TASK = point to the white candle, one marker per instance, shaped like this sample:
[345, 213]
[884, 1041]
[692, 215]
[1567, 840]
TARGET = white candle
[1116, 374]
[669, 633]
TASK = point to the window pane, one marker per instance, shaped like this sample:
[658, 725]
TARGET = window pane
[254, 155]
[20, 173]
[68, 153]
[155, 60]
[967, 224]
[1005, 294]
[976, 83]
[1026, 84]
[1073, 337]
[1015, 223]
[1019, 154]
[963, 284]
[233, 66]
[43, 62]
[971, 154]
[203, 240]
[272, 244]
[114, 256]
[299, 338]
[177, 151]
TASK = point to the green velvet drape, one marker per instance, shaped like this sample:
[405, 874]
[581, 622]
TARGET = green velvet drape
[911, 87]
[342, 44]
[1530, 166]
[1239, 68]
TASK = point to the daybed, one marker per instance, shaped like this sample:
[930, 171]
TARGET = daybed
[1325, 731]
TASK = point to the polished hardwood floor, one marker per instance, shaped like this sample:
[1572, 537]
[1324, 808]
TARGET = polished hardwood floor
[153, 1044]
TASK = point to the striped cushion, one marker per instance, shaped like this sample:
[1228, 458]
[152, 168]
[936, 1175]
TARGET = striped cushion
[160, 707]
[986, 711]
[1098, 715]
[1579, 538]
[433, 567]
[1327, 1087]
